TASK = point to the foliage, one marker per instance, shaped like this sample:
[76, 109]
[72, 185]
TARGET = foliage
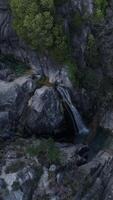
[72, 70]
[90, 49]
[15, 65]
[59, 50]
[101, 4]
[77, 21]
[45, 149]
[91, 41]
[100, 10]
[35, 22]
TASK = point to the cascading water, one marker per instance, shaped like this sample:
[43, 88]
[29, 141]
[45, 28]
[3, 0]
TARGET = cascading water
[75, 116]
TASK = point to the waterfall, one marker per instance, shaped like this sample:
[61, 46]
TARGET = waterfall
[75, 116]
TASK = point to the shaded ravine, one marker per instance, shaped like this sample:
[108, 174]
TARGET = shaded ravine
[73, 112]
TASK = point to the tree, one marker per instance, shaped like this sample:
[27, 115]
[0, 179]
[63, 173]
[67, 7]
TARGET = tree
[35, 22]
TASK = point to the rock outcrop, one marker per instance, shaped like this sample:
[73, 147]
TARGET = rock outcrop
[13, 101]
[28, 174]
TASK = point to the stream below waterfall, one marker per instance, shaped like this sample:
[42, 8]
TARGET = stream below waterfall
[102, 140]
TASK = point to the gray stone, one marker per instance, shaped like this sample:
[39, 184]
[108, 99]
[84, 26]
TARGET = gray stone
[14, 97]
[106, 121]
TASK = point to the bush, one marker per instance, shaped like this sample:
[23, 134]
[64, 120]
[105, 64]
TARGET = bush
[77, 21]
[100, 10]
[72, 71]
[101, 4]
[60, 49]
[45, 149]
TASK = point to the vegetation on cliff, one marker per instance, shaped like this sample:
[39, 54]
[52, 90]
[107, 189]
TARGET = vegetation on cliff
[43, 28]
[36, 22]
[100, 10]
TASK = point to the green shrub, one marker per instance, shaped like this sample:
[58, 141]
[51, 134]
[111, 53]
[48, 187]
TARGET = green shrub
[101, 4]
[72, 71]
[60, 48]
[100, 10]
[90, 49]
[77, 21]
[91, 41]
[52, 151]
[45, 149]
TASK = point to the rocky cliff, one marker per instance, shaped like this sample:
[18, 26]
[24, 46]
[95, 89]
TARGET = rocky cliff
[31, 107]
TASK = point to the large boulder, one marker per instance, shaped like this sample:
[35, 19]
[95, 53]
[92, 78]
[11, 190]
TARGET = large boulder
[44, 114]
